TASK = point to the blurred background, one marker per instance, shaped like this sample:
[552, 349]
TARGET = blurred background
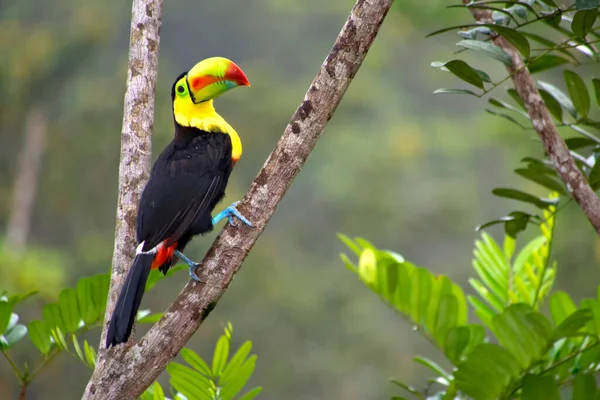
[409, 171]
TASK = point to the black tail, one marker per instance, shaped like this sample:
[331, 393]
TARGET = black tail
[129, 300]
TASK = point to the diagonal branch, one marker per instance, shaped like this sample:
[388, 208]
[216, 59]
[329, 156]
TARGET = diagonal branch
[554, 145]
[125, 374]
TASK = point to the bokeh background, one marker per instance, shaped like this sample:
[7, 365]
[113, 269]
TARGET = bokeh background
[409, 171]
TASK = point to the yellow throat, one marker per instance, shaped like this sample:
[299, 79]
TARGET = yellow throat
[204, 117]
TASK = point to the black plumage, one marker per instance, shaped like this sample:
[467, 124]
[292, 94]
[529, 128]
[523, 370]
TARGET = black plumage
[187, 181]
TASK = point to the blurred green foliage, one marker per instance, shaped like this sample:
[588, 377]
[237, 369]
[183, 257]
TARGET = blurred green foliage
[82, 308]
[396, 164]
[527, 355]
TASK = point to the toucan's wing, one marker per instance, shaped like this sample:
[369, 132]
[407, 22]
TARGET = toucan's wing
[186, 183]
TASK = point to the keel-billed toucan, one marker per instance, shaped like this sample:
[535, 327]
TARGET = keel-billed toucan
[187, 181]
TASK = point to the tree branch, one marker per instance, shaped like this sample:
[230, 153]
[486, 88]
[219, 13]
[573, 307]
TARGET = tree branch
[136, 153]
[27, 180]
[554, 145]
[125, 375]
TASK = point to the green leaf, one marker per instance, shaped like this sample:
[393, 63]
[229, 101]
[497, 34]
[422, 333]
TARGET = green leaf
[457, 341]
[514, 223]
[432, 365]
[235, 363]
[560, 97]
[40, 336]
[583, 21]
[455, 91]
[489, 49]
[445, 316]
[482, 311]
[158, 393]
[99, 290]
[539, 387]
[409, 389]
[554, 18]
[594, 175]
[596, 83]
[403, 294]
[521, 10]
[452, 28]
[502, 104]
[487, 363]
[52, 316]
[463, 71]
[462, 312]
[507, 117]
[5, 312]
[526, 197]
[90, 353]
[188, 382]
[517, 223]
[59, 338]
[541, 179]
[251, 394]
[86, 305]
[515, 38]
[441, 286]
[545, 62]
[584, 387]
[220, 356]
[77, 348]
[367, 267]
[244, 373]
[593, 326]
[561, 306]
[350, 244]
[552, 104]
[472, 33]
[523, 332]
[493, 268]
[67, 301]
[150, 318]
[17, 298]
[577, 143]
[578, 92]
[14, 335]
[509, 247]
[515, 96]
[195, 361]
[348, 263]
[421, 282]
[572, 323]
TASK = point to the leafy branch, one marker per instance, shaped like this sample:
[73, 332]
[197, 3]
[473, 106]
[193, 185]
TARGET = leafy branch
[529, 346]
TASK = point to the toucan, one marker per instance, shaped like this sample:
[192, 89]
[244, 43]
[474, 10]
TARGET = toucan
[186, 183]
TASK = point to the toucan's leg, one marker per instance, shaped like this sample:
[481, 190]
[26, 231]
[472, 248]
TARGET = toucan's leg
[229, 213]
[191, 264]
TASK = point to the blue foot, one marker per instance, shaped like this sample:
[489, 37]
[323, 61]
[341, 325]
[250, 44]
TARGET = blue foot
[229, 213]
[191, 264]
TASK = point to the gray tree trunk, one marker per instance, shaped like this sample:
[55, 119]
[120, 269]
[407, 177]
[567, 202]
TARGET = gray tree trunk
[26, 180]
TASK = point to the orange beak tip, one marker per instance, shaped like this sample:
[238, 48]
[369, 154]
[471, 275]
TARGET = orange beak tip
[235, 74]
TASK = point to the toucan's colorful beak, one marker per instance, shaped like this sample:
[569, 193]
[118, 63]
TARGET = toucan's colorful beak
[214, 76]
[235, 74]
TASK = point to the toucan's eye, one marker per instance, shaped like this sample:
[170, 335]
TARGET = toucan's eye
[181, 89]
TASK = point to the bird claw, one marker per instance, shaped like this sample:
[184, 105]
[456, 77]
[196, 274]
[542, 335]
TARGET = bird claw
[231, 212]
[193, 273]
[192, 265]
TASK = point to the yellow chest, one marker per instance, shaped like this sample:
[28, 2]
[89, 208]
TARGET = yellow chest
[203, 116]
